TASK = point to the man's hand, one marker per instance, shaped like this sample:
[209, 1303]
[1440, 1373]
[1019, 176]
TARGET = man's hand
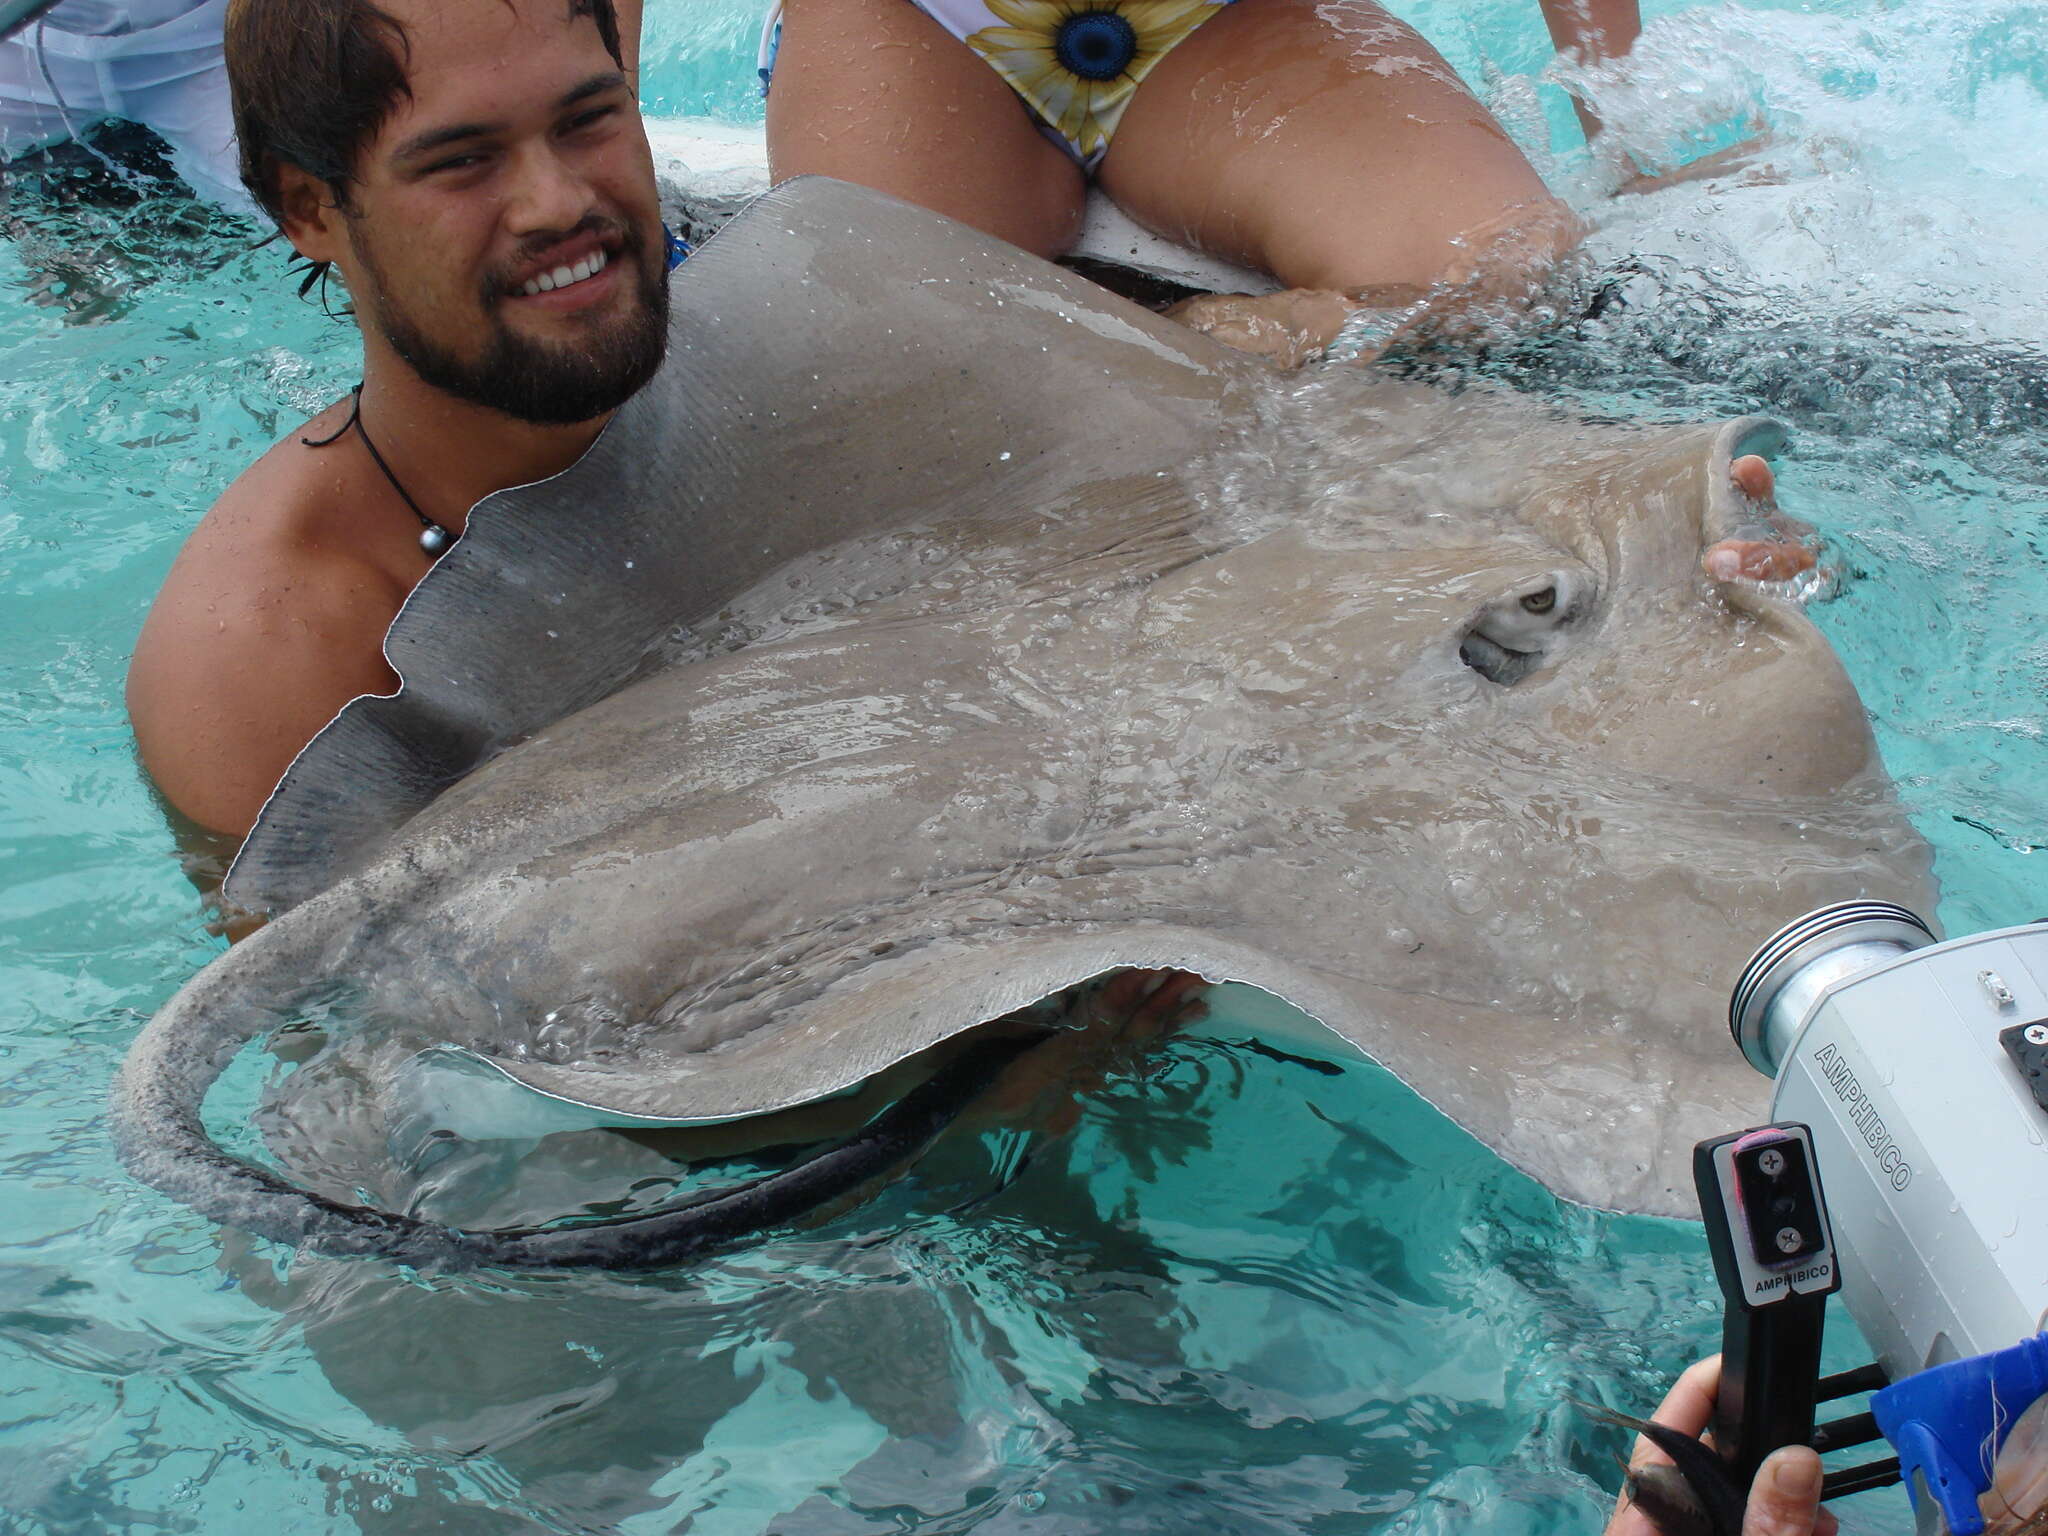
[1783, 1501]
[1111, 1022]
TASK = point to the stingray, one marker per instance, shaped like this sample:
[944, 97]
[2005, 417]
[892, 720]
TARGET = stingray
[938, 634]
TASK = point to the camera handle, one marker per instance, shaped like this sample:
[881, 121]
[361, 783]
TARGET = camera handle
[1774, 1255]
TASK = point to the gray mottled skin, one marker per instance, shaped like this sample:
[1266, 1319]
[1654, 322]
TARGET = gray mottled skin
[990, 634]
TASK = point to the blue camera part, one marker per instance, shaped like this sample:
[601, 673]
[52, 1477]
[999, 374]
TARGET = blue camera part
[1948, 1424]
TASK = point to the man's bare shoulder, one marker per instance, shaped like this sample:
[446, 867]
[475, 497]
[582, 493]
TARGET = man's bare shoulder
[272, 618]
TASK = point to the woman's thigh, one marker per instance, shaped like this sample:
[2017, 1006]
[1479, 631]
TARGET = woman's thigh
[1327, 143]
[876, 92]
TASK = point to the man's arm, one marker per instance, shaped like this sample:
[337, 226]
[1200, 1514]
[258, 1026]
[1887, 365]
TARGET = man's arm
[1587, 31]
[1783, 1501]
[253, 645]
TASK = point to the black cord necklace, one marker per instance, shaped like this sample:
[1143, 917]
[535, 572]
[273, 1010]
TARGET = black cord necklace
[434, 539]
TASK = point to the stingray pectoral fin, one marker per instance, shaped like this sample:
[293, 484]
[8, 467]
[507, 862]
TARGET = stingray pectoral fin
[775, 1048]
[822, 1053]
[159, 1096]
[1241, 1008]
[455, 1091]
[772, 1050]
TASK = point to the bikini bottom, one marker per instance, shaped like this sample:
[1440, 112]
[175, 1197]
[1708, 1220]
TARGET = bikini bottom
[1075, 63]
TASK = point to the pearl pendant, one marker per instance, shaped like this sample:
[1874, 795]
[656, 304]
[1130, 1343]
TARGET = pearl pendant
[435, 539]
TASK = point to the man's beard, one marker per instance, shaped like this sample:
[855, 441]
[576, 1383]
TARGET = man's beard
[546, 383]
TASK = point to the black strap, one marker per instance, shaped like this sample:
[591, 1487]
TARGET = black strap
[355, 419]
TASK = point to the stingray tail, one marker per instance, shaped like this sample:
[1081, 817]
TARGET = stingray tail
[158, 1098]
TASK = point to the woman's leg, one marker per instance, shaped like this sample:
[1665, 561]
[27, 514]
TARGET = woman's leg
[1327, 143]
[876, 92]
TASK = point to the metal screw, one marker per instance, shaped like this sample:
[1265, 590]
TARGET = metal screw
[1771, 1161]
[2036, 1034]
[1789, 1240]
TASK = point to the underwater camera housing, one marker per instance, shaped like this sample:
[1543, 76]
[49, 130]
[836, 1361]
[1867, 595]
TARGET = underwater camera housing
[1920, 1070]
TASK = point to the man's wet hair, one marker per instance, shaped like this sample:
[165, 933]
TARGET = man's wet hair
[311, 82]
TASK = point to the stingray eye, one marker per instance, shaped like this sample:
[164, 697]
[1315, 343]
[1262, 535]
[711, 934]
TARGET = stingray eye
[1518, 632]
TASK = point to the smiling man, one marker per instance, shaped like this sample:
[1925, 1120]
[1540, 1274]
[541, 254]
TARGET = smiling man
[476, 172]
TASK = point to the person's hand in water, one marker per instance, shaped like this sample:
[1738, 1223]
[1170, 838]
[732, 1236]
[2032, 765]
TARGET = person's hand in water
[1785, 1498]
[1497, 265]
[1106, 1025]
[1598, 31]
[1588, 31]
[1757, 559]
[1722, 162]
[1783, 1501]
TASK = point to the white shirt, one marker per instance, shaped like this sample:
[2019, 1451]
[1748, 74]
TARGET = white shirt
[114, 18]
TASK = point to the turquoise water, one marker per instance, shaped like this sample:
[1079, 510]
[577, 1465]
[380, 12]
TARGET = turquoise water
[1244, 1295]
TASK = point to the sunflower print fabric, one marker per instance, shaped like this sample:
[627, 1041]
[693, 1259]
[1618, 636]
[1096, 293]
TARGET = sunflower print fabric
[1076, 63]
